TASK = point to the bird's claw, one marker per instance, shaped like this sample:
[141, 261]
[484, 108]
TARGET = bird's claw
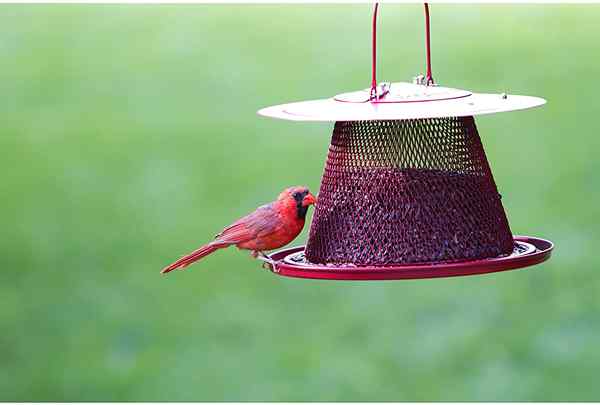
[257, 254]
[267, 262]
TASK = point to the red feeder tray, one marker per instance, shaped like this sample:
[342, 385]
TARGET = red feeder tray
[407, 191]
[527, 251]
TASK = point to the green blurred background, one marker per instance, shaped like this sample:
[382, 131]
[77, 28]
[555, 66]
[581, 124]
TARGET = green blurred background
[129, 136]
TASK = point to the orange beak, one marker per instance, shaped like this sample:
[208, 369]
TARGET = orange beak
[309, 199]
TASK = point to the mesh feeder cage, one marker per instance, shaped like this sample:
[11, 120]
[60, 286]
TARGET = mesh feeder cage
[407, 191]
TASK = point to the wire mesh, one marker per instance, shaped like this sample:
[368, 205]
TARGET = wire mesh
[407, 191]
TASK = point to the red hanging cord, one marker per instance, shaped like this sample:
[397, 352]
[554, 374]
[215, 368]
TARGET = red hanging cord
[374, 54]
[429, 76]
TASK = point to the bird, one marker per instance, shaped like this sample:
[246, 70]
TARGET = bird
[269, 227]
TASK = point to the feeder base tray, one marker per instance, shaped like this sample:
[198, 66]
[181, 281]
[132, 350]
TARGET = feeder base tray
[527, 251]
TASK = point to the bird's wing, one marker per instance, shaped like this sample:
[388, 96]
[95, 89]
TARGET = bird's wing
[262, 221]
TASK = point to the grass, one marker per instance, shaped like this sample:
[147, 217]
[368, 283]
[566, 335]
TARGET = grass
[129, 137]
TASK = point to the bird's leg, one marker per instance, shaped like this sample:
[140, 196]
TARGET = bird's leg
[257, 254]
[266, 261]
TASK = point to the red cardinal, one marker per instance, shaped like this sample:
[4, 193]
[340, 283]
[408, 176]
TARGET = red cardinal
[271, 226]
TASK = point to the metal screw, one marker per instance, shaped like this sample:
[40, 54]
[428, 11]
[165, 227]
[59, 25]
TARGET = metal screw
[420, 79]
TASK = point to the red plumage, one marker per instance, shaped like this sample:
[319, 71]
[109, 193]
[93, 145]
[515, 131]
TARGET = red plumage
[270, 226]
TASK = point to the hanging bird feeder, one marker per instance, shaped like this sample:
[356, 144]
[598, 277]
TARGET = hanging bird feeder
[407, 190]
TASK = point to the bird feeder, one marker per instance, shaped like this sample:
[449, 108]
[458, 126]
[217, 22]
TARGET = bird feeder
[407, 191]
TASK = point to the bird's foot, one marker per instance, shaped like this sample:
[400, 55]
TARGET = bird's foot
[257, 254]
[261, 256]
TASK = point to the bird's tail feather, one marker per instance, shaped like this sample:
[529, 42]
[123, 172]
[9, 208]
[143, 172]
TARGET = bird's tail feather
[194, 256]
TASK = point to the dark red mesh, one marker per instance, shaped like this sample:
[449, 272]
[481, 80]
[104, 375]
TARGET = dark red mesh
[407, 191]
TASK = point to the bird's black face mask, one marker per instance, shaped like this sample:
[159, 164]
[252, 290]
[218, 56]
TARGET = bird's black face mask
[300, 209]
